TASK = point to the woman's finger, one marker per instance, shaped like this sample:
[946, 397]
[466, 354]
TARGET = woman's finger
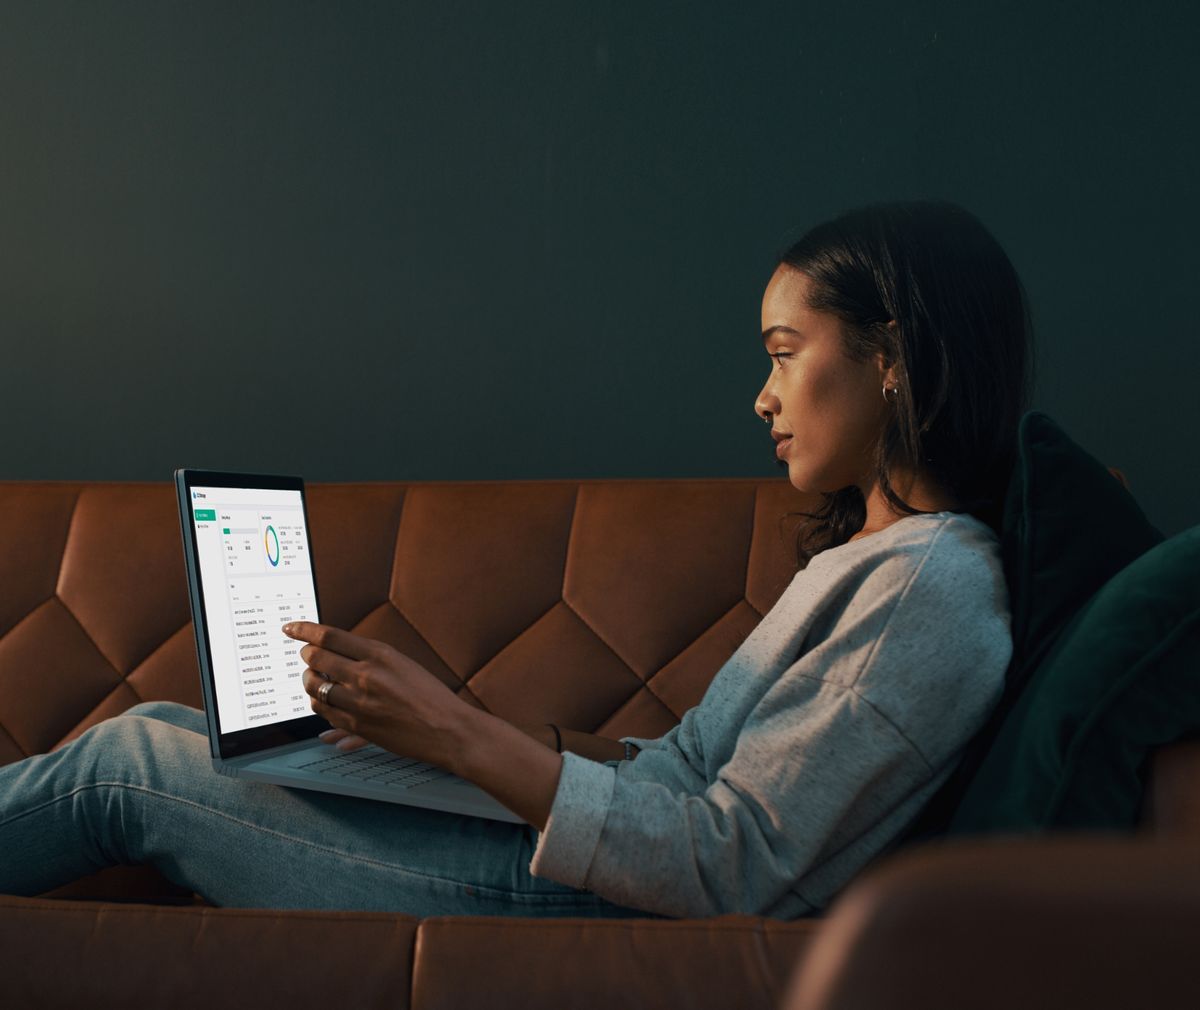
[344, 739]
[332, 664]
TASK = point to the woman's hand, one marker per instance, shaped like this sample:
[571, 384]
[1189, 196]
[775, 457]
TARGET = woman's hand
[379, 695]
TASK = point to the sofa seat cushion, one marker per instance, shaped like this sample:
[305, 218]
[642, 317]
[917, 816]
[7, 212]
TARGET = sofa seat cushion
[96, 954]
[615, 964]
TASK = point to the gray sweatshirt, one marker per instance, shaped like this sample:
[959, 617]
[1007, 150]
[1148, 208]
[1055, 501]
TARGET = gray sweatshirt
[816, 743]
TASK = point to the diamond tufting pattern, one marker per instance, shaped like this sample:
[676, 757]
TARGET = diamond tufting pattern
[603, 605]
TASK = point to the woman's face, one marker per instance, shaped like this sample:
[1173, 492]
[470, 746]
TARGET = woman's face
[831, 406]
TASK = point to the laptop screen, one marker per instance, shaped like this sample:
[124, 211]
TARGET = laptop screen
[253, 551]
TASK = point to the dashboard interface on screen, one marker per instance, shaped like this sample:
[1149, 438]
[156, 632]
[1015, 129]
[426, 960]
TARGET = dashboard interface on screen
[256, 576]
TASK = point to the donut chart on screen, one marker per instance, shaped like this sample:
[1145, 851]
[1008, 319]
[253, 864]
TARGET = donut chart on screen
[269, 537]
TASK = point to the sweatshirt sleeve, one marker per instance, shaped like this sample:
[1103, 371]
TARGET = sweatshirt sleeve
[818, 763]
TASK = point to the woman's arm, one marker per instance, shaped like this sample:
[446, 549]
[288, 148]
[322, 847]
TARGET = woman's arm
[379, 694]
[588, 745]
[518, 764]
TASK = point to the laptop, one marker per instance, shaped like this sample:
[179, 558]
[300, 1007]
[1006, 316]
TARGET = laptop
[248, 556]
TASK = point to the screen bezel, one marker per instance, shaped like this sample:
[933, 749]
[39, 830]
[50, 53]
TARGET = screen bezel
[258, 738]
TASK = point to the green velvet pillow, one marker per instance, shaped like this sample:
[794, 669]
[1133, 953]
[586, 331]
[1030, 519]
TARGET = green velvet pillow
[1068, 526]
[1121, 680]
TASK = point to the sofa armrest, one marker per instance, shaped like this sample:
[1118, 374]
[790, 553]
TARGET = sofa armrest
[1098, 921]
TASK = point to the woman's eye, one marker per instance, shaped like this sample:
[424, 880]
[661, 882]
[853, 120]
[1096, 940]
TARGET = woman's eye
[781, 354]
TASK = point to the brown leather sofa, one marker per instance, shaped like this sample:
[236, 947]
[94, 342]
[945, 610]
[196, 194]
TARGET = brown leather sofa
[603, 605]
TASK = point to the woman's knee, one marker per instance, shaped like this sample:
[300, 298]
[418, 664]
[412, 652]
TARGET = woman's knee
[140, 746]
[174, 712]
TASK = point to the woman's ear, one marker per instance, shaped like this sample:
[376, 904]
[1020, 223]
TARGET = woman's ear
[888, 372]
[888, 360]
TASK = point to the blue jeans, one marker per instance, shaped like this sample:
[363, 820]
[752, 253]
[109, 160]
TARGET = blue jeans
[140, 788]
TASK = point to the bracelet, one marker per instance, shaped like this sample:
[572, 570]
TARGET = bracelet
[557, 737]
[628, 751]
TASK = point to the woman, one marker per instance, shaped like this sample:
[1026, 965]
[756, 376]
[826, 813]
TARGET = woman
[898, 342]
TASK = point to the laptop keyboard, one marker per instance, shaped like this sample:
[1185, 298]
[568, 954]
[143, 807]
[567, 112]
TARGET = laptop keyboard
[374, 764]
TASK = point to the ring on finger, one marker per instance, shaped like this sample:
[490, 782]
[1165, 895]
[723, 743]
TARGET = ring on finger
[323, 692]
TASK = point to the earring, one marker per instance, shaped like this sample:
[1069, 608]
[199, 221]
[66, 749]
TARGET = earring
[893, 389]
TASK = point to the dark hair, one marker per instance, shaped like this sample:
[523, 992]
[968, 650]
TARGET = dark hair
[962, 348]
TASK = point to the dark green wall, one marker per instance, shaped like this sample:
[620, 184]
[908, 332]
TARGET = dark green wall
[476, 241]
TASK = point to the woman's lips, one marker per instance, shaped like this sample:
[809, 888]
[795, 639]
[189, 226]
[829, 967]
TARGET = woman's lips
[781, 447]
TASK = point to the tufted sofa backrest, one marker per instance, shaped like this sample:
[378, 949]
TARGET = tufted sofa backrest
[601, 605]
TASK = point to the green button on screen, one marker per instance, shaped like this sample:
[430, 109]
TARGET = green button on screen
[206, 515]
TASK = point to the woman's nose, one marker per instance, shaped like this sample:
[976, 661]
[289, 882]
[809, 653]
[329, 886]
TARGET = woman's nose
[764, 405]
